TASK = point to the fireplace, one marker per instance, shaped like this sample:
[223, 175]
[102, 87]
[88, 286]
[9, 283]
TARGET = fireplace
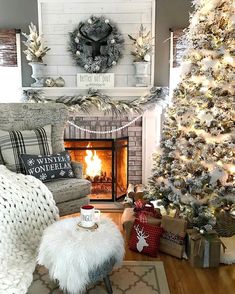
[105, 164]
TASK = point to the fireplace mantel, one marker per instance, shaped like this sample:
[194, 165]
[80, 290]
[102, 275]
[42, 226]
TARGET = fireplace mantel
[126, 92]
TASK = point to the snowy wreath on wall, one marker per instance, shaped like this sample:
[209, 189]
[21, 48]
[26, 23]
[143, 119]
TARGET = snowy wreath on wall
[96, 44]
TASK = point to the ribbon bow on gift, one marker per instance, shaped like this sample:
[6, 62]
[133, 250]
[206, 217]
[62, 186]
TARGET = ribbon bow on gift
[144, 209]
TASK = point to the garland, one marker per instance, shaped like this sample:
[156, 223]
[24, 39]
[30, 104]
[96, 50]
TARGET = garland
[96, 44]
[100, 101]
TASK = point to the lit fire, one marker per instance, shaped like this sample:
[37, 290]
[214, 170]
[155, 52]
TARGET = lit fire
[93, 163]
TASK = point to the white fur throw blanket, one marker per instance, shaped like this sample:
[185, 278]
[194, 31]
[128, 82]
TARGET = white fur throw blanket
[70, 254]
[26, 209]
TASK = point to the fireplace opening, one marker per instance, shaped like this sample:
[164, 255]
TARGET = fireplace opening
[105, 165]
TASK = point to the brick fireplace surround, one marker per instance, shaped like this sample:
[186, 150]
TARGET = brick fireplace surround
[144, 136]
[108, 123]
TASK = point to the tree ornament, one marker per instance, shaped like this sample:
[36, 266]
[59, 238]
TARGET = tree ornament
[59, 82]
[96, 44]
[49, 82]
[232, 211]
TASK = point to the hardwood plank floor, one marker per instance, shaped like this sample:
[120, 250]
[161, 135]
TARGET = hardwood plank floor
[184, 279]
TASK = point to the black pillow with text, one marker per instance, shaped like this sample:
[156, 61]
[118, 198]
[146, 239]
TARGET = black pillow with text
[48, 167]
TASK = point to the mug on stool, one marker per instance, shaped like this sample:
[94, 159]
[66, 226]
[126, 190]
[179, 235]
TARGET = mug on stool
[89, 215]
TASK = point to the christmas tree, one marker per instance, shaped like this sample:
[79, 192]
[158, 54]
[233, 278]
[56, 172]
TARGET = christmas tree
[194, 169]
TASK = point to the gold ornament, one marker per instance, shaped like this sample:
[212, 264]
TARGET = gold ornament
[49, 82]
[59, 82]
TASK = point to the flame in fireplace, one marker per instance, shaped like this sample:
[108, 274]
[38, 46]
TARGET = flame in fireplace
[93, 163]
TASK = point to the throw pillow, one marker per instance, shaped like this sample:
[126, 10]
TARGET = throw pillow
[48, 167]
[14, 143]
[145, 238]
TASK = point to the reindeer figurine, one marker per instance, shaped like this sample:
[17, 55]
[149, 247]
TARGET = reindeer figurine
[141, 238]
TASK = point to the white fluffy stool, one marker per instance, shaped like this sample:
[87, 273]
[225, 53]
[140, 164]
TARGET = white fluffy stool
[77, 257]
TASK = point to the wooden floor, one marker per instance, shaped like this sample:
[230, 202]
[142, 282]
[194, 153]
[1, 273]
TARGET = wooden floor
[184, 279]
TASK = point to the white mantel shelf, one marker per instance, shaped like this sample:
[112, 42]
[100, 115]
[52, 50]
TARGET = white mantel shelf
[114, 92]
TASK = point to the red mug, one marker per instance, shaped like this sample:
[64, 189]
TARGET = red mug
[89, 215]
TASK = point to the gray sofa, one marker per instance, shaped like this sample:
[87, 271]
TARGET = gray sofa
[69, 194]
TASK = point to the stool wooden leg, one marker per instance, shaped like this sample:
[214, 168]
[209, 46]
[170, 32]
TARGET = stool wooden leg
[108, 285]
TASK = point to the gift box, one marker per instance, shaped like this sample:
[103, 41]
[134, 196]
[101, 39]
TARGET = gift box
[128, 218]
[203, 250]
[172, 241]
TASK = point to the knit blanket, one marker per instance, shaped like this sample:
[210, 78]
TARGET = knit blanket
[26, 209]
[71, 253]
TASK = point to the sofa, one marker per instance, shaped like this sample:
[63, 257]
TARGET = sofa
[71, 193]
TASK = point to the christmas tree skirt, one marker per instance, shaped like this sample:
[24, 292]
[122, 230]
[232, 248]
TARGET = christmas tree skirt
[228, 257]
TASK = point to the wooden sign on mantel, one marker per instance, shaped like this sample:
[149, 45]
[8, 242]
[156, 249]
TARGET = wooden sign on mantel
[95, 81]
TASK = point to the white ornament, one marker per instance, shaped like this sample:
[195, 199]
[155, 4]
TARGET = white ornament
[218, 174]
[76, 40]
[89, 21]
[78, 53]
[59, 82]
[97, 68]
[205, 116]
[208, 63]
[86, 66]
[114, 62]
[147, 57]
[106, 21]
[112, 41]
[209, 5]
[185, 67]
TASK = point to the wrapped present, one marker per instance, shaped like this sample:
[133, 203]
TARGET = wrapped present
[144, 209]
[203, 250]
[173, 239]
[128, 218]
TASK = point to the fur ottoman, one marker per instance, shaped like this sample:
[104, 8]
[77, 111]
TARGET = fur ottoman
[77, 257]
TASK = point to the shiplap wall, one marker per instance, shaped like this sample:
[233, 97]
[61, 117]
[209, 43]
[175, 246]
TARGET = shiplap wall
[59, 17]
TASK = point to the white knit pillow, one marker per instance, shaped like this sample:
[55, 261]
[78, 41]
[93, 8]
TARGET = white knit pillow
[14, 143]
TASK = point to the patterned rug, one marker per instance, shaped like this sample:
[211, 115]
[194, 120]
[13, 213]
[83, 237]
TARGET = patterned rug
[147, 277]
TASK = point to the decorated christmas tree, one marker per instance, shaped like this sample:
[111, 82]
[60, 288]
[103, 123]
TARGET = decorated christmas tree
[194, 169]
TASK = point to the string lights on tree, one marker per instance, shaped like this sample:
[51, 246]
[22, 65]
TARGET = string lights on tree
[194, 169]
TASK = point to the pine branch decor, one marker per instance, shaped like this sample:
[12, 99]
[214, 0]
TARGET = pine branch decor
[101, 101]
[142, 45]
[34, 42]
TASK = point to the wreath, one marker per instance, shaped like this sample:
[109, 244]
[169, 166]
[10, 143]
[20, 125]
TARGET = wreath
[96, 44]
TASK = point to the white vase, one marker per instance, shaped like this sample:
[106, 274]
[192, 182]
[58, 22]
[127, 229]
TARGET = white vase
[142, 73]
[37, 73]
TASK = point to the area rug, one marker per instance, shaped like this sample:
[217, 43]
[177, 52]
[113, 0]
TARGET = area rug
[145, 277]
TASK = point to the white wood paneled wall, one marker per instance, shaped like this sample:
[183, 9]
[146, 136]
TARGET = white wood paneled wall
[59, 17]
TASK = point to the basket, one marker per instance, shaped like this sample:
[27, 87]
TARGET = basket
[225, 224]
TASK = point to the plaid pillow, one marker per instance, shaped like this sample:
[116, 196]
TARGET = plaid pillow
[145, 238]
[14, 143]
